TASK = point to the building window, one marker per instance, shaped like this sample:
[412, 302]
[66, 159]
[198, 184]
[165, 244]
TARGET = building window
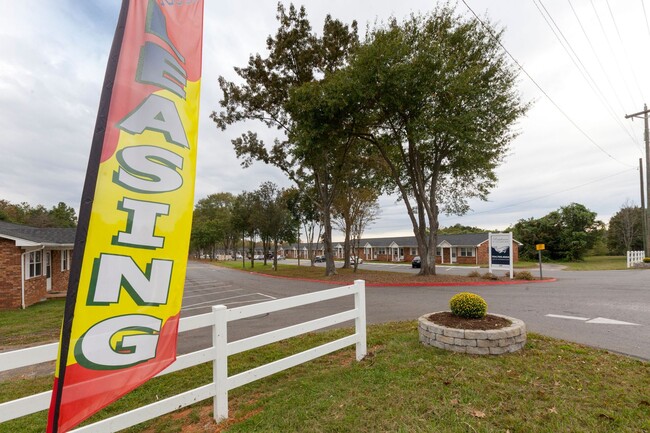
[381, 251]
[35, 267]
[66, 258]
[438, 251]
[414, 251]
[466, 251]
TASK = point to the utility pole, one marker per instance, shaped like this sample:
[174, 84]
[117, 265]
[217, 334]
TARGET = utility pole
[645, 225]
[646, 138]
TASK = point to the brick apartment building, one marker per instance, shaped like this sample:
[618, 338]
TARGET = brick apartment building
[33, 262]
[466, 249]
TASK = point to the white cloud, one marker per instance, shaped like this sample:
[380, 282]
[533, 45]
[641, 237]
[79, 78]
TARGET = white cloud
[53, 57]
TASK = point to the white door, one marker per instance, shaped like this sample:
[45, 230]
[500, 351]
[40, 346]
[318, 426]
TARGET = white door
[453, 255]
[48, 269]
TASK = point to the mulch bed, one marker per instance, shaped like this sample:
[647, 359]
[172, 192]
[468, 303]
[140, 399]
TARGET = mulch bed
[379, 277]
[451, 321]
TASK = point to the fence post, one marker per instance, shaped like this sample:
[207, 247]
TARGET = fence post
[220, 362]
[634, 257]
[360, 321]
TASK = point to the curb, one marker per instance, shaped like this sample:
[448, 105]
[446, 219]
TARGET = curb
[422, 284]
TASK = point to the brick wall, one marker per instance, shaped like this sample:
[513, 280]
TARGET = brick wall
[10, 279]
[484, 257]
[483, 254]
[59, 278]
[35, 288]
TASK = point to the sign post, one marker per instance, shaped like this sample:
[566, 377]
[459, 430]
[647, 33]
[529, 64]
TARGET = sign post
[501, 257]
[540, 248]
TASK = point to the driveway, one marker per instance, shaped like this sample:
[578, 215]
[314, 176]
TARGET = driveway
[605, 309]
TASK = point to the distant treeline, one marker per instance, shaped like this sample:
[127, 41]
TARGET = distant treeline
[60, 215]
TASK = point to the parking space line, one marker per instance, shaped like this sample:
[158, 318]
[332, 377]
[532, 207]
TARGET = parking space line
[220, 301]
[216, 293]
[196, 288]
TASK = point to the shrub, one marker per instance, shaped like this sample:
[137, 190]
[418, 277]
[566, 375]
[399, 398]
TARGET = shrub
[489, 276]
[468, 305]
[646, 260]
[474, 274]
[524, 275]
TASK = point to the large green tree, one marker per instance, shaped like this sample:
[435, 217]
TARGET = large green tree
[212, 223]
[568, 233]
[436, 97]
[245, 212]
[354, 209]
[625, 232]
[274, 219]
[60, 215]
[460, 228]
[305, 212]
[296, 56]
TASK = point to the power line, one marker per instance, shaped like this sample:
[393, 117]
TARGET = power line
[591, 140]
[609, 44]
[627, 58]
[645, 15]
[580, 66]
[604, 71]
[553, 193]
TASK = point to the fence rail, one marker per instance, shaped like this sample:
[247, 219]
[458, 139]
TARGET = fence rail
[217, 354]
[634, 257]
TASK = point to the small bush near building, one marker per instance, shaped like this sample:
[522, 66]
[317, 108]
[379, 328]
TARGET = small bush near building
[468, 305]
[474, 274]
[524, 275]
[489, 276]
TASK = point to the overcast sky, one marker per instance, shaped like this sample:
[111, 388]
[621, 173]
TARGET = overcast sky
[574, 145]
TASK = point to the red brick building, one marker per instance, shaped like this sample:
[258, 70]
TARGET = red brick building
[466, 249]
[33, 262]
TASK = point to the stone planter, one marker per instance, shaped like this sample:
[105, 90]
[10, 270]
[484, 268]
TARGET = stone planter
[475, 342]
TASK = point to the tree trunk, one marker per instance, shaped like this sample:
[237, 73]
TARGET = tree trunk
[346, 245]
[275, 255]
[330, 268]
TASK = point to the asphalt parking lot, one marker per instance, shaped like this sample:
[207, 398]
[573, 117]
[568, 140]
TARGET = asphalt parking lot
[605, 309]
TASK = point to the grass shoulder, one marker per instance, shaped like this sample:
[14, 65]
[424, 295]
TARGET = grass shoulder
[589, 263]
[402, 385]
[346, 276]
[40, 323]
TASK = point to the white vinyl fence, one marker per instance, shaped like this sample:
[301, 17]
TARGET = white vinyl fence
[634, 257]
[217, 354]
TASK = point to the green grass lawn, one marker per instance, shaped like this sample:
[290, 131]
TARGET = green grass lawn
[402, 386]
[590, 263]
[598, 263]
[39, 323]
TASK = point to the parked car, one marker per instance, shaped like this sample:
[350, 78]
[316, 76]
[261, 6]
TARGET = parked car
[319, 259]
[280, 257]
[353, 259]
[416, 263]
[258, 257]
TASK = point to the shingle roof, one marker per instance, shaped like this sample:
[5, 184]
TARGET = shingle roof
[456, 240]
[466, 239]
[38, 235]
